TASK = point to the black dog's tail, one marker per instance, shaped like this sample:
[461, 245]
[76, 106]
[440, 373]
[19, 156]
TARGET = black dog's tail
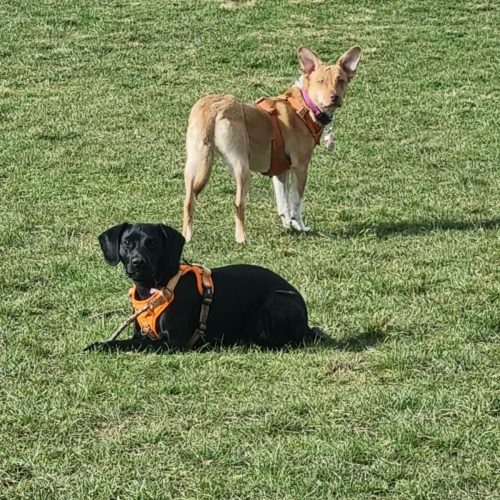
[316, 336]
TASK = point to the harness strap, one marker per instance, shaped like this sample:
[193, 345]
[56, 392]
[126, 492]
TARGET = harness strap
[164, 295]
[303, 111]
[280, 162]
[205, 308]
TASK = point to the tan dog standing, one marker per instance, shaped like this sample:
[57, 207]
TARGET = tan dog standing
[284, 129]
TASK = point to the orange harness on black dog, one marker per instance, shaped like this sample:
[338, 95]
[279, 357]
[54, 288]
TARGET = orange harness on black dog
[161, 299]
[280, 161]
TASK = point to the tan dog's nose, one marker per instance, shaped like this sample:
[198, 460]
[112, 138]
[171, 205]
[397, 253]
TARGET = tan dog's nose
[336, 99]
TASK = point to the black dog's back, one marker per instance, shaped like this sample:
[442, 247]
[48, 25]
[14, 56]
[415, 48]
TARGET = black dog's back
[275, 313]
[255, 280]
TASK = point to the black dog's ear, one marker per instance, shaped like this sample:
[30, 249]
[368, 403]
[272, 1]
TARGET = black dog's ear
[173, 243]
[110, 243]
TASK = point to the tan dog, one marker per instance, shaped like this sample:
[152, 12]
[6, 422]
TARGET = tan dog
[247, 137]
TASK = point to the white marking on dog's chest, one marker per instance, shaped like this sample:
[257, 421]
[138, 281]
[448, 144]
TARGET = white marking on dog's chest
[299, 83]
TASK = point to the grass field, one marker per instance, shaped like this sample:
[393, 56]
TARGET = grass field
[402, 269]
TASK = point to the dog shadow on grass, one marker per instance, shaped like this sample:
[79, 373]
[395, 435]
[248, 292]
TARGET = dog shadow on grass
[354, 343]
[358, 342]
[386, 229]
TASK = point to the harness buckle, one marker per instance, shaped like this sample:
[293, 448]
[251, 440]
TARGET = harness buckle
[207, 296]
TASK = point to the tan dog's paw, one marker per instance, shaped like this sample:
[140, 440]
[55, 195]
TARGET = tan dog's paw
[285, 220]
[240, 237]
[299, 226]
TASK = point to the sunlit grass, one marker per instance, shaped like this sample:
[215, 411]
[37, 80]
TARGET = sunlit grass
[401, 269]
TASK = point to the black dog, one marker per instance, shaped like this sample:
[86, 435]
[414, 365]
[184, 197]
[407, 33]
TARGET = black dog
[250, 304]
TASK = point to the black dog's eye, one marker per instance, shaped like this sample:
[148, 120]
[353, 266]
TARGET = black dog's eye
[127, 243]
[149, 243]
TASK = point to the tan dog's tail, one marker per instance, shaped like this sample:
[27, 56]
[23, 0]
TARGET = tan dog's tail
[199, 147]
[199, 151]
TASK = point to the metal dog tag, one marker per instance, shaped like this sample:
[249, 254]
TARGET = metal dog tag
[329, 142]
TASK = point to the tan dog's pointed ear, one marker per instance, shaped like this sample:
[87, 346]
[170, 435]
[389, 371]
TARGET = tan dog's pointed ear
[349, 61]
[308, 60]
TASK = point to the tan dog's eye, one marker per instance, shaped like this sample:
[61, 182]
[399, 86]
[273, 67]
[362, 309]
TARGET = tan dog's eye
[321, 81]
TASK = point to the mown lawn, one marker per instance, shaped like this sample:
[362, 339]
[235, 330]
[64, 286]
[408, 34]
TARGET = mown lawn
[402, 268]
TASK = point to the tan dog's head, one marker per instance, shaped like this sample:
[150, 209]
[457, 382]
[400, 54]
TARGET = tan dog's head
[327, 84]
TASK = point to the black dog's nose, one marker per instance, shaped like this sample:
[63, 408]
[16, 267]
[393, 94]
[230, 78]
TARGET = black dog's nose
[137, 261]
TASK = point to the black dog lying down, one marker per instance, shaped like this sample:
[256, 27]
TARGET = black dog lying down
[250, 304]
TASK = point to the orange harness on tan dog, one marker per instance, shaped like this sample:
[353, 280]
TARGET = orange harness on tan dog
[161, 299]
[280, 161]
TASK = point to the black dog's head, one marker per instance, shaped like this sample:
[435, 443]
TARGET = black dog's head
[149, 252]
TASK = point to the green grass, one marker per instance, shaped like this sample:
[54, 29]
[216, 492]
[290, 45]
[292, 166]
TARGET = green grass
[402, 269]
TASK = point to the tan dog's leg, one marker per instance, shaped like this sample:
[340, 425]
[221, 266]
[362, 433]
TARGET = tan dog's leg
[231, 140]
[281, 192]
[196, 174]
[297, 186]
[242, 178]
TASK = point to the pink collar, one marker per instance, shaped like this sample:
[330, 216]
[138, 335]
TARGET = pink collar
[323, 118]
